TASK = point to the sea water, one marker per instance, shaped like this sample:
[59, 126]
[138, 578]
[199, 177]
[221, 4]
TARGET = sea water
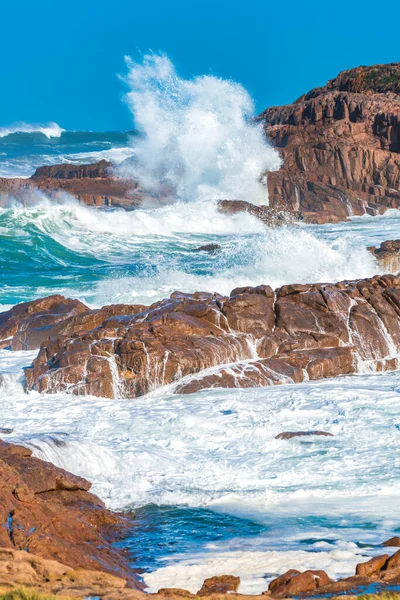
[212, 488]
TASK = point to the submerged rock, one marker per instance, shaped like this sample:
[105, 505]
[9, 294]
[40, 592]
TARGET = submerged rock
[288, 435]
[394, 541]
[212, 248]
[256, 337]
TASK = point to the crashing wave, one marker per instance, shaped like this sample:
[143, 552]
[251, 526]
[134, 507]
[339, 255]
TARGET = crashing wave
[198, 140]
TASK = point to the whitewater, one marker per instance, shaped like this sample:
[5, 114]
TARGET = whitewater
[213, 491]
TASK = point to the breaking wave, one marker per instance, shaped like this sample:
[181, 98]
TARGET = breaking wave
[198, 140]
[50, 130]
[103, 256]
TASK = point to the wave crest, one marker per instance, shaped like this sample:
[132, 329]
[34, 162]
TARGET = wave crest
[50, 130]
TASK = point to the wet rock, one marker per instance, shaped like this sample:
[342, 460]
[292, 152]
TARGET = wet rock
[175, 593]
[53, 577]
[288, 435]
[282, 580]
[340, 145]
[211, 248]
[393, 562]
[5, 430]
[269, 216]
[27, 325]
[256, 337]
[50, 512]
[372, 566]
[93, 184]
[221, 584]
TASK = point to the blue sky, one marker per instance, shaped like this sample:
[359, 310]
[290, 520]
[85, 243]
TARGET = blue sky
[60, 60]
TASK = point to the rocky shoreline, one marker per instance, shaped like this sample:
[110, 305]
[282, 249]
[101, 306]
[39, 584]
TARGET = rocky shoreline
[340, 146]
[57, 538]
[255, 337]
[341, 150]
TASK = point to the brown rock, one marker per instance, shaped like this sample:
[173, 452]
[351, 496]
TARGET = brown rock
[372, 566]
[256, 337]
[340, 146]
[393, 562]
[94, 185]
[282, 580]
[221, 584]
[50, 512]
[388, 255]
[27, 325]
[394, 541]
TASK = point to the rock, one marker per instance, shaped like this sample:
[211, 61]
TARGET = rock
[269, 216]
[49, 512]
[293, 583]
[288, 435]
[394, 541]
[340, 146]
[297, 333]
[350, 585]
[97, 170]
[93, 184]
[5, 430]
[211, 248]
[372, 566]
[221, 584]
[388, 255]
[393, 562]
[27, 325]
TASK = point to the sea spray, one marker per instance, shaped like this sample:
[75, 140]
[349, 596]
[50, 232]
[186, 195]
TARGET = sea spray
[198, 140]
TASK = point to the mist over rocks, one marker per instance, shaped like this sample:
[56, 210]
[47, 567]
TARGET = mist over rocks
[254, 337]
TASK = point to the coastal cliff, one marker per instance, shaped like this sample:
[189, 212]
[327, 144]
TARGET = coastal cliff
[340, 145]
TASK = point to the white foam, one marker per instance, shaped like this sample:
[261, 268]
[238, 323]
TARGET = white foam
[197, 137]
[50, 130]
[217, 449]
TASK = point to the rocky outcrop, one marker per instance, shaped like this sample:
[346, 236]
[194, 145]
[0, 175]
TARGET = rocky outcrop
[49, 512]
[27, 325]
[341, 147]
[254, 337]
[387, 256]
[383, 572]
[94, 185]
[272, 217]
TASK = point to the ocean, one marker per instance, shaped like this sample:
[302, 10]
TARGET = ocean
[213, 491]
